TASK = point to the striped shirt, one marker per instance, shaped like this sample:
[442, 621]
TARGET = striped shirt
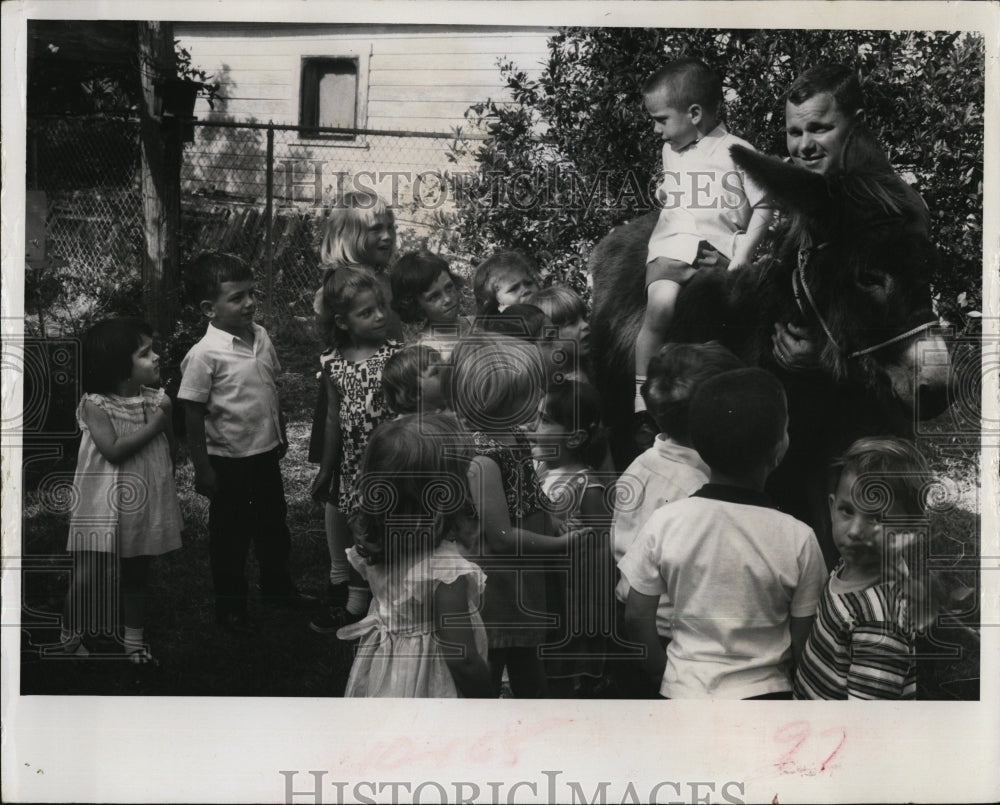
[860, 647]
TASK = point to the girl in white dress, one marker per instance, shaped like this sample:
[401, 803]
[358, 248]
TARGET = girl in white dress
[125, 507]
[423, 635]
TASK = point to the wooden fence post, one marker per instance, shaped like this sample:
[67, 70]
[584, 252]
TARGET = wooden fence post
[269, 229]
[161, 150]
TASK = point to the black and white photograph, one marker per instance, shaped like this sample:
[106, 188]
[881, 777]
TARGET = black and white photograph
[635, 359]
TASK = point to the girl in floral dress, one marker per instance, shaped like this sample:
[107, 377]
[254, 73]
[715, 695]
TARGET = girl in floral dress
[355, 319]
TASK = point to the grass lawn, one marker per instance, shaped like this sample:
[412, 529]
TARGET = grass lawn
[285, 658]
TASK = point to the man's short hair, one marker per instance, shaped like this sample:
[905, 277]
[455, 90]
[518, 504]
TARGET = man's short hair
[737, 420]
[688, 82]
[838, 80]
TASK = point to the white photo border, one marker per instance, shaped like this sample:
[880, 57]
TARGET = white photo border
[178, 749]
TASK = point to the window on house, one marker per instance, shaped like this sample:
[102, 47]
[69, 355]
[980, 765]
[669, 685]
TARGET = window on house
[329, 95]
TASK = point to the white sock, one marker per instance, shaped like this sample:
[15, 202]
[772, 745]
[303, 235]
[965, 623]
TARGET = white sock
[358, 599]
[640, 404]
[339, 570]
[133, 640]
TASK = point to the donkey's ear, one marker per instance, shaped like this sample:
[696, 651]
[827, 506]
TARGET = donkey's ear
[786, 186]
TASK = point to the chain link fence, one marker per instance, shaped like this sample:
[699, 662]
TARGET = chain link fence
[258, 190]
[85, 221]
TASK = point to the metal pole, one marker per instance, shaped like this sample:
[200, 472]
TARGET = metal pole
[268, 227]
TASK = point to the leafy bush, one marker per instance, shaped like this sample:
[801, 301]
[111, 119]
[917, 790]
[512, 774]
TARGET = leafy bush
[574, 154]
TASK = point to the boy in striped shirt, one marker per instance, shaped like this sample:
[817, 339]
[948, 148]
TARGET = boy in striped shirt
[861, 644]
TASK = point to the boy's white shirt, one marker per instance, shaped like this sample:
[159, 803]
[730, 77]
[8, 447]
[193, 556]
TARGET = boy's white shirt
[699, 202]
[735, 573]
[216, 372]
[665, 472]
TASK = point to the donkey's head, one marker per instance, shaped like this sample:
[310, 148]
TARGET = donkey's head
[856, 260]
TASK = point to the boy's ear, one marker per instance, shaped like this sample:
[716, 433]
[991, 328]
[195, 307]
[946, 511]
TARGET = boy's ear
[340, 322]
[207, 308]
[576, 438]
[829, 502]
[695, 111]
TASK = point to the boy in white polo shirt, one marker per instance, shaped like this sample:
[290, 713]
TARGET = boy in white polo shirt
[236, 436]
[708, 202]
[670, 470]
[744, 579]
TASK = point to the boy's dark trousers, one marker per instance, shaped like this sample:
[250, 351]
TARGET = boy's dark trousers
[249, 505]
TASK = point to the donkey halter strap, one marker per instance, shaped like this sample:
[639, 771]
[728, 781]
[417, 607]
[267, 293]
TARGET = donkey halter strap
[799, 281]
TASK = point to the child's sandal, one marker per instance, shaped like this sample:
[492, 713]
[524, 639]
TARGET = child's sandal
[142, 657]
[69, 649]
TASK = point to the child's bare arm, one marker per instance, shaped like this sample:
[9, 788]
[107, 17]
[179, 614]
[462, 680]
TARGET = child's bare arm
[799, 629]
[168, 409]
[331, 443]
[205, 482]
[640, 625]
[760, 220]
[117, 448]
[454, 631]
[486, 490]
[594, 508]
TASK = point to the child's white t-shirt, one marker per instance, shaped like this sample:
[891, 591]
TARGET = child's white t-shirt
[665, 472]
[735, 569]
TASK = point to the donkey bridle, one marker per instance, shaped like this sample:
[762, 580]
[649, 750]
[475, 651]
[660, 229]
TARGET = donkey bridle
[799, 282]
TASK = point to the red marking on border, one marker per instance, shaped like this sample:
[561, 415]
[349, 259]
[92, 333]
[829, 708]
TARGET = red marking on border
[843, 739]
[784, 733]
[498, 746]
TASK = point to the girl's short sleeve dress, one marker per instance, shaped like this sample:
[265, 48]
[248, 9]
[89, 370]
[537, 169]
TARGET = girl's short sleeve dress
[130, 507]
[398, 654]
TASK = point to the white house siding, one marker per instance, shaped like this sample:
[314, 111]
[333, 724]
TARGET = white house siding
[410, 78]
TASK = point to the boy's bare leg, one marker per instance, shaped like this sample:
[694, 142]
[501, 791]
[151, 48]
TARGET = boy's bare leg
[661, 296]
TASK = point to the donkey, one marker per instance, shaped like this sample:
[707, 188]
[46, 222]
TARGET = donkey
[852, 258]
